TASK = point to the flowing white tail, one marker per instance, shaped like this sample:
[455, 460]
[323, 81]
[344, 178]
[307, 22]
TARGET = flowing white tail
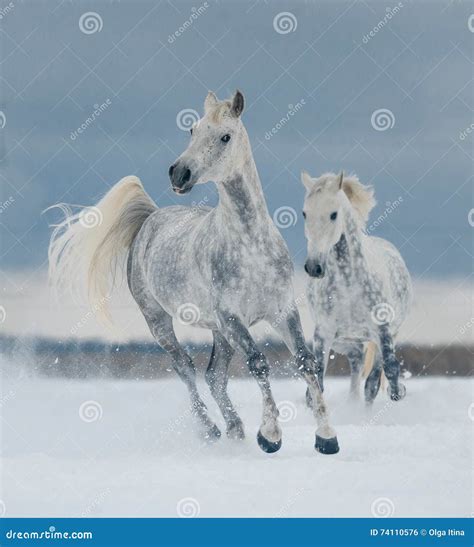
[87, 247]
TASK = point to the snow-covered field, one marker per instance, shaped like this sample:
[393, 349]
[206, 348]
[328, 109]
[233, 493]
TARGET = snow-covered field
[121, 448]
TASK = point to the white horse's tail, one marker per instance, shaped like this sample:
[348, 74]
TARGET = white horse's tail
[369, 363]
[87, 247]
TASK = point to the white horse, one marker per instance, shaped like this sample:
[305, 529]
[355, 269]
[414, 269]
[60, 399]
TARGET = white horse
[223, 269]
[359, 289]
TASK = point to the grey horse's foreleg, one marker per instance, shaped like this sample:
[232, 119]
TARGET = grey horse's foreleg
[356, 359]
[321, 352]
[238, 336]
[184, 367]
[391, 365]
[309, 368]
[217, 375]
[372, 383]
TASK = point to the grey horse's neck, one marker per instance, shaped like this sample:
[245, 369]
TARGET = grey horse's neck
[241, 198]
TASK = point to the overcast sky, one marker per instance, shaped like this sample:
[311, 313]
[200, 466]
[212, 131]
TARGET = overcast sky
[144, 67]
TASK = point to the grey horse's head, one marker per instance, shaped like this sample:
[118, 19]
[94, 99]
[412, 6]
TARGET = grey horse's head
[216, 145]
[323, 220]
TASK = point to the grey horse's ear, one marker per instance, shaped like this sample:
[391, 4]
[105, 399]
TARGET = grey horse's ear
[237, 104]
[210, 101]
[306, 180]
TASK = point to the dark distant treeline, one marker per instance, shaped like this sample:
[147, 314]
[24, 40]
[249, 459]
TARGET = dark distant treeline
[146, 360]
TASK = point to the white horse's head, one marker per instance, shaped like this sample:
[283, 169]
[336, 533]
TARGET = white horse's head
[326, 199]
[217, 143]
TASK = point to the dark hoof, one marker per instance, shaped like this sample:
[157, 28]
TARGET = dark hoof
[213, 434]
[235, 431]
[326, 446]
[399, 394]
[268, 446]
[309, 398]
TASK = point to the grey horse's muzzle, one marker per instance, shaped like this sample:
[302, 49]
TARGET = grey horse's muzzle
[181, 177]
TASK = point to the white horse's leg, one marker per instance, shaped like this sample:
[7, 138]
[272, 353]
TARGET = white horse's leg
[391, 365]
[217, 377]
[372, 383]
[308, 367]
[232, 328]
[355, 356]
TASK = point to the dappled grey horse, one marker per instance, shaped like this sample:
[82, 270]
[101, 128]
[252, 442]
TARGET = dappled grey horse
[359, 288]
[224, 268]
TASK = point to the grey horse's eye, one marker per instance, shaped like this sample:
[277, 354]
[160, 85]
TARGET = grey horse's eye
[333, 216]
[191, 130]
[304, 214]
[225, 138]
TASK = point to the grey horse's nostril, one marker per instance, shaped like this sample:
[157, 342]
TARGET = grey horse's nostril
[171, 169]
[186, 176]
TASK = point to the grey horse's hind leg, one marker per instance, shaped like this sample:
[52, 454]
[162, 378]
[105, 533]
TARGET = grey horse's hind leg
[161, 326]
[232, 328]
[308, 367]
[372, 384]
[217, 377]
[356, 358]
[391, 365]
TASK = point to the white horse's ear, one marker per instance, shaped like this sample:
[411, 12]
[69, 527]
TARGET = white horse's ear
[237, 104]
[306, 180]
[341, 180]
[210, 101]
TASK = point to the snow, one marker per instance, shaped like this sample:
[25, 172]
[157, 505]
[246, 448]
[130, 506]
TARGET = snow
[135, 452]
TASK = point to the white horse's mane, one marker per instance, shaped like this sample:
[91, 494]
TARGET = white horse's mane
[360, 196]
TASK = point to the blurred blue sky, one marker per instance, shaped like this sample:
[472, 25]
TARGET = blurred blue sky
[418, 65]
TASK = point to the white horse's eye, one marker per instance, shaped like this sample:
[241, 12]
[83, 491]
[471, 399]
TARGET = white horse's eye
[304, 214]
[191, 130]
[225, 138]
[333, 216]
